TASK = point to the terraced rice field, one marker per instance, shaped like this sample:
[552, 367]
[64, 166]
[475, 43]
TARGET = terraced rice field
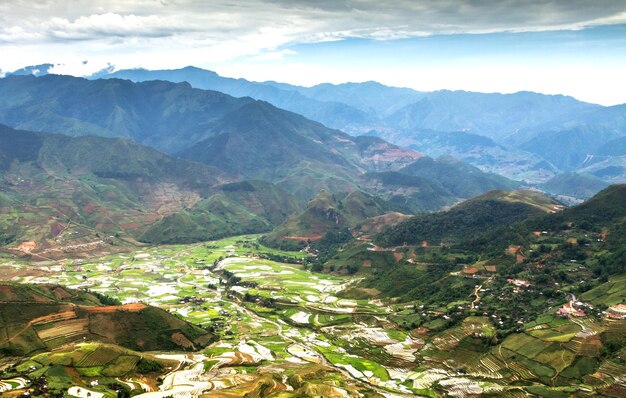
[280, 320]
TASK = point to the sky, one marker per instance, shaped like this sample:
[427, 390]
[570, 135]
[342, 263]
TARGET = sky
[572, 47]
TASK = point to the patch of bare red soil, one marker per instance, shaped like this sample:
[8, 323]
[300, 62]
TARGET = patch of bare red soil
[311, 238]
[135, 307]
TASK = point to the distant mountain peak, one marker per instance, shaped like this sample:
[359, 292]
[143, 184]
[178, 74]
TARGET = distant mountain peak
[35, 70]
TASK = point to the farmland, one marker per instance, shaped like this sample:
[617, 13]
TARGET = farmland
[283, 330]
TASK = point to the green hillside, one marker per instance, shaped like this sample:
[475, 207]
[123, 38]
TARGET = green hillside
[160, 114]
[326, 213]
[429, 184]
[234, 209]
[465, 221]
[460, 179]
[414, 194]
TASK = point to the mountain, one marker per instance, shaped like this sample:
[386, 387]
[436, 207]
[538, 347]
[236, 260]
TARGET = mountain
[459, 178]
[370, 97]
[492, 115]
[570, 149]
[330, 113]
[604, 209]
[464, 221]
[479, 151]
[252, 139]
[371, 104]
[377, 224]
[422, 186]
[409, 193]
[260, 141]
[166, 116]
[45, 317]
[430, 184]
[608, 162]
[34, 70]
[616, 147]
[69, 193]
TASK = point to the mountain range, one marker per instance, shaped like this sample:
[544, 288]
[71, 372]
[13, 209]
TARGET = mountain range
[241, 165]
[113, 182]
[526, 136]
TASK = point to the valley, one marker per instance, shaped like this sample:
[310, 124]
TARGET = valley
[284, 331]
[216, 199]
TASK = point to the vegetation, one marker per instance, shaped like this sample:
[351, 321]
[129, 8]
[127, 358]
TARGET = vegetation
[468, 220]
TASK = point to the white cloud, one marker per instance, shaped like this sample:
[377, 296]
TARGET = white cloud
[111, 25]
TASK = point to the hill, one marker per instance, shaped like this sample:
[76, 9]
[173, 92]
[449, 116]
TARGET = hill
[166, 116]
[83, 363]
[262, 142]
[74, 194]
[459, 178]
[569, 149]
[604, 209]
[615, 147]
[377, 224]
[476, 216]
[575, 185]
[326, 213]
[431, 184]
[479, 151]
[409, 193]
[45, 317]
[234, 209]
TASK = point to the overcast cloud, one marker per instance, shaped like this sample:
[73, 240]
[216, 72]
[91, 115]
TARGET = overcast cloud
[47, 20]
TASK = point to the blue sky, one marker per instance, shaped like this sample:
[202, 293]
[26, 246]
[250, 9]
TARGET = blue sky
[573, 47]
[589, 64]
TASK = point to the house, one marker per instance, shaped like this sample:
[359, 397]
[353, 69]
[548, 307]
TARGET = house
[617, 311]
[519, 282]
[27, 247]
[570, 310]
[470, 270]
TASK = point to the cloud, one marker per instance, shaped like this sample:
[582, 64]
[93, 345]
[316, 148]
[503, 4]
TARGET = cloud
[295, 20]
[111, 25]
